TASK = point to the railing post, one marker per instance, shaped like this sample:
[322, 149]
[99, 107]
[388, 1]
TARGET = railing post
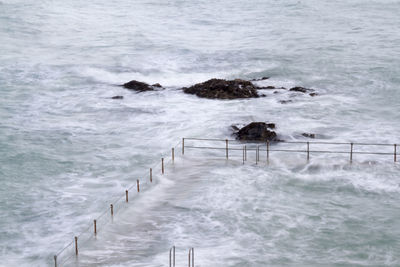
[191, 257]
[395, 152]
[257, 151]
[308, 151]
[173, 155]
[227, 156]
[95, 227]
[126, 196]
[183, 146]
[138, 186]
[55, 260]
[245, 152]
[267, 152]
[172, 257]
[112, 209]
[162, 165]
[151, 175]
[76, 245]
[351, 152]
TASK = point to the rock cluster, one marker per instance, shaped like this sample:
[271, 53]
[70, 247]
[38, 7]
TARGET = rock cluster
[223, 89]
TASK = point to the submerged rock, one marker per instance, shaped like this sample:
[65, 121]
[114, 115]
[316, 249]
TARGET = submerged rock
[223, 89]
[257, 131]
[140, 86]
[301, 89]
[261, 79]
[117, 97]
[308, 135]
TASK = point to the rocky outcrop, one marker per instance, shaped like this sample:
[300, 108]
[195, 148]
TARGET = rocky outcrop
[257, 131]
[140, 86]
[223, 89]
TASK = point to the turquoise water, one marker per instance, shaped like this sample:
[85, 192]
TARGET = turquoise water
[66, 149]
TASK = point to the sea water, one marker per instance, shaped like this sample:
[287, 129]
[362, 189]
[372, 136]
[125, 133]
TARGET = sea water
[67, 150]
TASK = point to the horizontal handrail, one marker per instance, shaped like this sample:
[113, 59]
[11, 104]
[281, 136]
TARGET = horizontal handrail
[294, 150]
[289, 142]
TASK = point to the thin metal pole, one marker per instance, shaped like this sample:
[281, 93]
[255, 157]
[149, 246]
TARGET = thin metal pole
[351, 152]
[126, 196]
[395, 152]
[267, 152]
[192, 257]
[76, 245]
[55, 260]
[151, 175]
[183, 146]
[245, 152]
[227, 156]
[95, 227]
[174, 255]
[173, 154]
[162, 165]
[138, 186]
[112, 209]
[308, 151]
[257, 149]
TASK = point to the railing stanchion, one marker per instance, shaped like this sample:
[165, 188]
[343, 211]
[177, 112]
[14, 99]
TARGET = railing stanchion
[172, 257]
[112, 210]
[126, 196]
[162, 165]
[351, 152]
[95, 227]
[191, 257]
[245, 153]
[151, 175]
[183, 146]
[138, 186]
[227, 155]
[308, 151]
[267, 152]
[257, 151]
[173, 155]
[55, 260]
[76, 245]
[395, 152]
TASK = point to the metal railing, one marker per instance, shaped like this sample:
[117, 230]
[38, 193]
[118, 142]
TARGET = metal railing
[72, 248]
[297, 147]
[172, 257]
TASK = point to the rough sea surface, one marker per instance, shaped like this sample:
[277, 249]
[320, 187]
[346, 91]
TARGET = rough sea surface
[67, 150]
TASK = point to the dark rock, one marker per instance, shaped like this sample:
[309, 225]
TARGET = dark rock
[235, 128]
[223, 89]
[276, 92]
[257, 131]
[285, 101]
[309, 135]
[301, 89]
[157, 85]
[117, 97]
[267, 87]
[138, 86]
[313, 94]
[271, 125]
[261, 79]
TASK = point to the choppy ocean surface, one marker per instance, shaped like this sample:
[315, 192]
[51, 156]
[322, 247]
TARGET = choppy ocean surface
[67, 149]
